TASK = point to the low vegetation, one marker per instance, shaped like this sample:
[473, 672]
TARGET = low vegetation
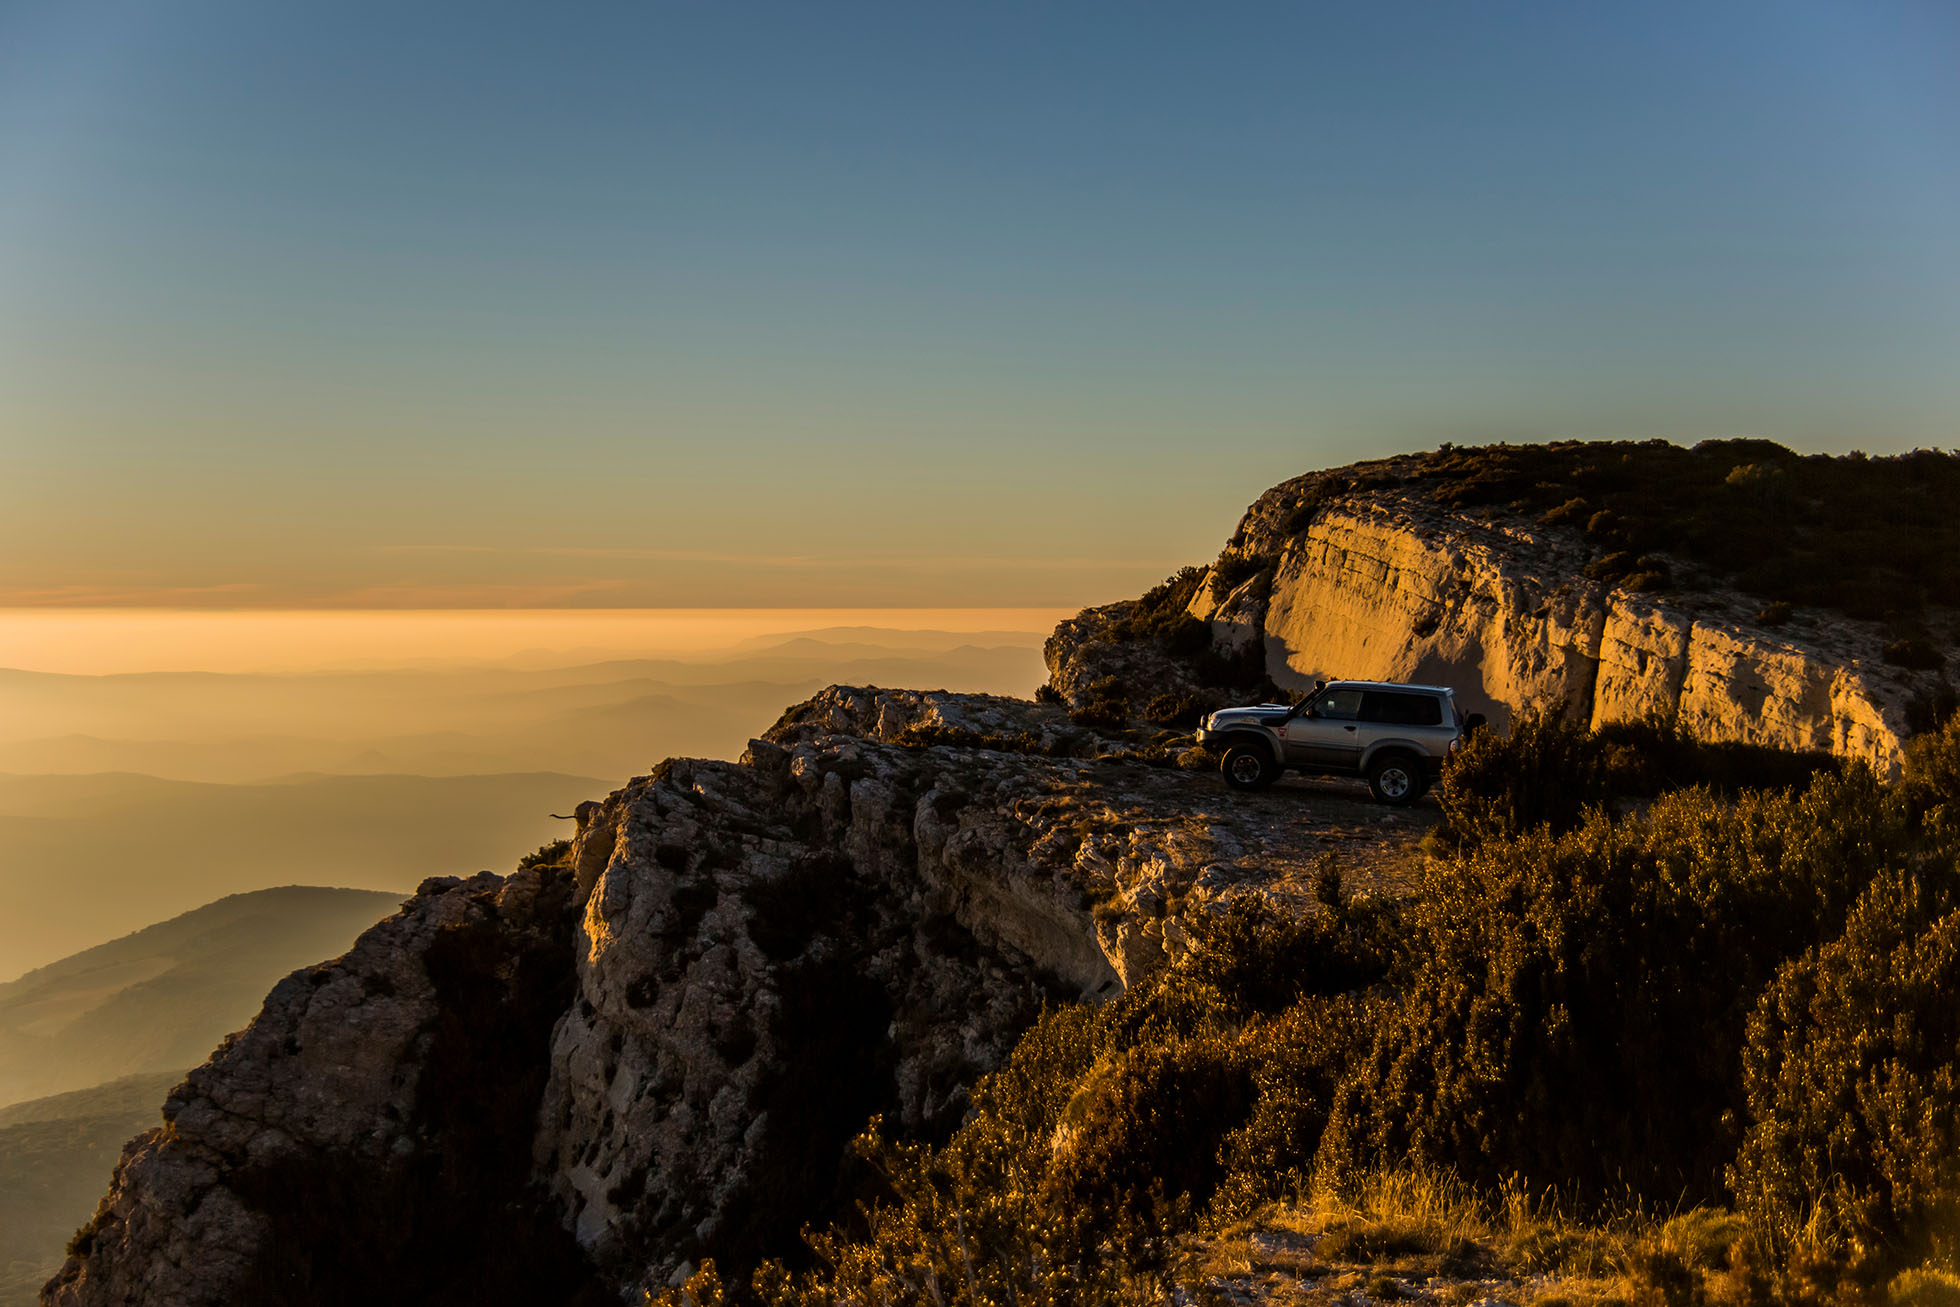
[1871, 537]
[1664, 1026]
[1161, 618]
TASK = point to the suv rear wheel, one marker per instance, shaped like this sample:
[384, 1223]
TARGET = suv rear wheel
[1395, 780]
[1248, 767]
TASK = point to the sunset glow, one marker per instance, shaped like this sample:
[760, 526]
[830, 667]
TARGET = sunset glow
[97, 642]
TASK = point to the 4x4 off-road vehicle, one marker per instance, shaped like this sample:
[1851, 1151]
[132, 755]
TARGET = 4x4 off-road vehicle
[1395, 735]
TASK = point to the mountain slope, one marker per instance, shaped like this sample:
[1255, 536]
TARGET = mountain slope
[55, 1155]
[161, 998]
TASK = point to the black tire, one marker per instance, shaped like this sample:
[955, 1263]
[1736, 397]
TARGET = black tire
[1395, 779]
[1248, 767]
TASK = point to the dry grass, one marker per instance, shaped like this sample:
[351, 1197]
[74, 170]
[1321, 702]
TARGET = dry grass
[1426, 1237]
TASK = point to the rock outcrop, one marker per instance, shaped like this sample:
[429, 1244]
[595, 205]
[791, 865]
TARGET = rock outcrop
[679, 1026]
[1385, 584]
[367, 1137]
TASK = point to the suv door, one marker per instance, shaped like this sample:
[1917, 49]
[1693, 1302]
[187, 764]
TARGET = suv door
[1327, 733]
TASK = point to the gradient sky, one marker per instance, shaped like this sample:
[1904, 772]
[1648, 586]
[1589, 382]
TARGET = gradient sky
[369, 304]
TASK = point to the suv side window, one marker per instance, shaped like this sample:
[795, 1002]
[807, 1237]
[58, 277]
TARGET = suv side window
[1340, 705]
[1395, 709]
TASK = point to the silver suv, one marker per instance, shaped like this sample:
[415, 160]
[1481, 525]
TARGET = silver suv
[1395, 735]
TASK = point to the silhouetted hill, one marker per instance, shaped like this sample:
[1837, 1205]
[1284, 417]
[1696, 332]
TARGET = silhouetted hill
[160, 999]
[55, 1156]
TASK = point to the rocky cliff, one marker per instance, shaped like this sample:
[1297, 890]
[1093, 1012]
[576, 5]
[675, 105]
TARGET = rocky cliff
[654, 1044]
[1372, 577]
[580, 1079]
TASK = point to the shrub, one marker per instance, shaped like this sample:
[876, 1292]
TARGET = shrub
[1866, 536]
[1138, 1148]
[554, 854]
[1234, 570]
[1179, 710]
[1105, 705]
[1852, 1085]
[1924, 1287]
[1548, 770]
[1577, 1002]
[1540, 773]
[1932, 779]
[1578, 1008]
[1112, 1127]
[1915, 652]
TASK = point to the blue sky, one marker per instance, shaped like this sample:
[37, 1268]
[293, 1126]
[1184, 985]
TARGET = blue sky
[912, 304]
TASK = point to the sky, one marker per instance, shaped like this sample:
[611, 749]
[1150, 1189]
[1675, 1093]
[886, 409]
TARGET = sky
[372, 305]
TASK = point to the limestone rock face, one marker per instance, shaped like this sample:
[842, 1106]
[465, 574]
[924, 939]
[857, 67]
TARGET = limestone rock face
[1080, 657]
[1385, 585]
[838, 926]
[337, 1149]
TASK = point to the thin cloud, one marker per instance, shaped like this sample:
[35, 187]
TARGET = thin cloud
[801, 562]
[96, 596]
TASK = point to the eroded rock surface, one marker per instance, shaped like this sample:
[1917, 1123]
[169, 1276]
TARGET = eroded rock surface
[584, 1077]
[366, 1138]
[843, 925]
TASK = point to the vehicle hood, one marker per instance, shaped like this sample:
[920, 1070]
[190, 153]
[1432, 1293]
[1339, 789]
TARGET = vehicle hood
[1265, 714]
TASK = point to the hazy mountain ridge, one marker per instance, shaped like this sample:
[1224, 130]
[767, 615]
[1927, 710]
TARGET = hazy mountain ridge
[484, 755]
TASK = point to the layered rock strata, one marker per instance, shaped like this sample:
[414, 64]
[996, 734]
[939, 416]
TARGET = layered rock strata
[1381, 585]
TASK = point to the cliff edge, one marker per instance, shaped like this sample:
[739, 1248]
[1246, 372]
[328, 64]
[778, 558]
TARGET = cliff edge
[1611, 581]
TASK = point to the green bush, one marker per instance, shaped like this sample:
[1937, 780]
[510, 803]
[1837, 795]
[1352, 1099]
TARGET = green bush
[1547, 771]
[1576, 1004]
[1138, 1148]
[1233, 570]
[1852, 1081]
[1105, 705]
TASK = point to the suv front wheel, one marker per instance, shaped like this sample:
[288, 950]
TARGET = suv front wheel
[1395, 780]
[1248, 767]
